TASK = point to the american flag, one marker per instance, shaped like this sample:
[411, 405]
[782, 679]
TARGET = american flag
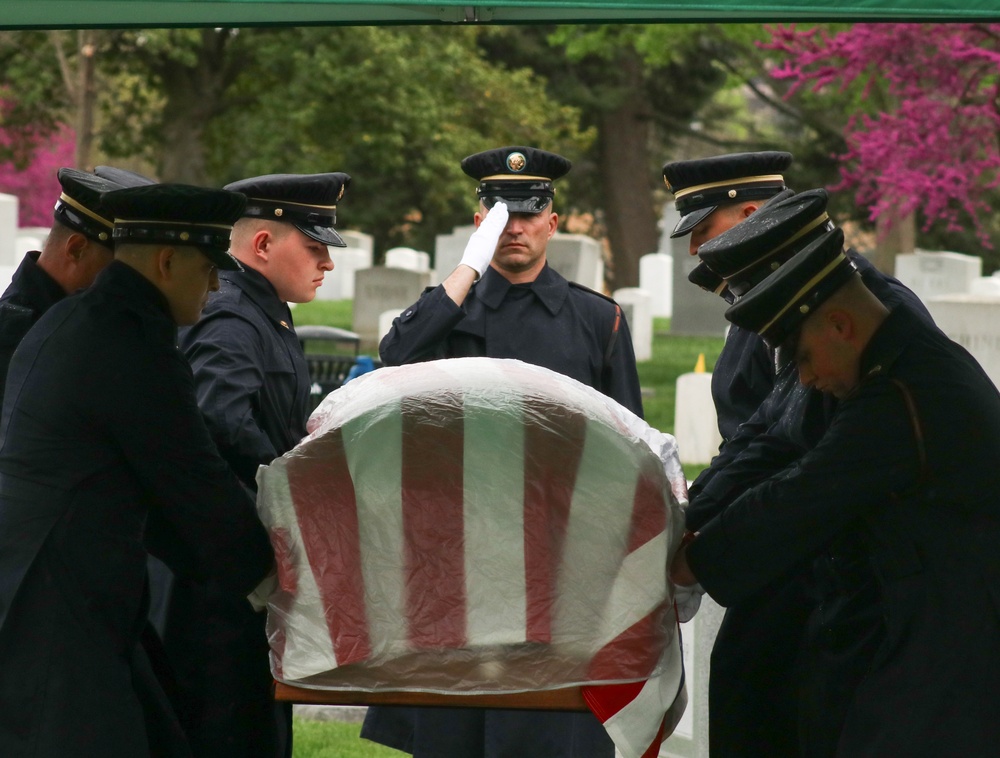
[478, 525]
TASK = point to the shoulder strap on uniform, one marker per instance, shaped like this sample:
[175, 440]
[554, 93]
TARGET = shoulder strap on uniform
[918, 427]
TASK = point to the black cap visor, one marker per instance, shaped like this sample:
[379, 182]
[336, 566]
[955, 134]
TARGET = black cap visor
[691, 220]
[520, 196]
[325, 234]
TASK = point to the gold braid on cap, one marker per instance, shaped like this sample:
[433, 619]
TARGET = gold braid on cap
[86, 211]
[804, 289]
[726, 183]
[798, 235]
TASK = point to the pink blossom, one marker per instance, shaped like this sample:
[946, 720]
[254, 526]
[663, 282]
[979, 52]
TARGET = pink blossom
[934, 149]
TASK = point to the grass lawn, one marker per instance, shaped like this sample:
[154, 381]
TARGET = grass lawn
[672, 356]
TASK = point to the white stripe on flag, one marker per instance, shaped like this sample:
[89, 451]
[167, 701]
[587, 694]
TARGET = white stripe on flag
[372, 444]
[494, 521]
[585, 575]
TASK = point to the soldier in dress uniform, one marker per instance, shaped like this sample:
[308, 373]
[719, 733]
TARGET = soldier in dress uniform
[893, 512]
[102, 444]
[752, 703]
[252, 383]
[713, 195]
[77, 248]
[503, 300]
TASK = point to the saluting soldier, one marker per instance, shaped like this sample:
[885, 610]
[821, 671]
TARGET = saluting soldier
[503, 300]
[894, 511]
[252, 383]
[103, 444]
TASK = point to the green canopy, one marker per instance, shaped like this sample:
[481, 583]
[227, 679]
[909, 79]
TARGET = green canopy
[66, 14]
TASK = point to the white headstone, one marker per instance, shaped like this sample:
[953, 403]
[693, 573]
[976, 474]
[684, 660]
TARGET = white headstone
[931, 274]
[656, 276]
[339, 283]
[448, 249]
[986, 285]
[696, 425]
[693, 311]
[379, 289]
[408, 258]
[385, 319]
[8, 230]
[635, 303]
[578, 258]
[973, 321]
[690, 737]
[6, 275]
[357, 239]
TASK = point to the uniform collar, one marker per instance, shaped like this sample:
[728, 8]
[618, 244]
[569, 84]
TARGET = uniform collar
[35, 281]
[257, 287]
[888, 342]
[124, 281]
[549, 287]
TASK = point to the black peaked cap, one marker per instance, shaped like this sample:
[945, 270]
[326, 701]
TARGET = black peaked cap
[710, 281]
[306, 201]
[122, 176]
[759, 245]
[701, 185]
[776, 307]
[521, 176]
[177, 214]
[80, 206]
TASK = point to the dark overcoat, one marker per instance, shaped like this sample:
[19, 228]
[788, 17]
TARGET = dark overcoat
[31, 292]
[102, 447]
[897, 508]
[252, 384]
[563, 327]
[754, 690]
[550, 322]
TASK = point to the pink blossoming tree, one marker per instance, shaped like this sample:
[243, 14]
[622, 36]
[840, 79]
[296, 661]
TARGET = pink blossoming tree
[927, 137]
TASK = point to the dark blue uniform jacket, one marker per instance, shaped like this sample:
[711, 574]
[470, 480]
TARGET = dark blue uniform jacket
[102, 447]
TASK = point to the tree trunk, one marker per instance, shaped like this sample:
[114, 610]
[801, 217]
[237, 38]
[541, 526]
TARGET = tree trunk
[86, 96]
[193, 95]
[623, 138]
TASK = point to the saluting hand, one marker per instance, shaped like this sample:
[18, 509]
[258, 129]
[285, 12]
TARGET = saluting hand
[483, 242]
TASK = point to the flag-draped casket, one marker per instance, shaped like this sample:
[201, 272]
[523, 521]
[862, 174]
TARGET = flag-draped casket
[479, 526]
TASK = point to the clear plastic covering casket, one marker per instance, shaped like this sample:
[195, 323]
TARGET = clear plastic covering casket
[473, 525]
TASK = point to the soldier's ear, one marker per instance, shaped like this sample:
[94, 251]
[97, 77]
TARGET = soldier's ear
[261, 243]
[76, 244]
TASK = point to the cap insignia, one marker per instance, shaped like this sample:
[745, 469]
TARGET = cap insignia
[732, 194]
[340, 194]
[667, 182]
[185, 236]
[516, 162]
[103, 236]
[278, 212]
[803, 309]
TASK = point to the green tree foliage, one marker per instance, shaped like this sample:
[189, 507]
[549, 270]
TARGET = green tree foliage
[397, 108]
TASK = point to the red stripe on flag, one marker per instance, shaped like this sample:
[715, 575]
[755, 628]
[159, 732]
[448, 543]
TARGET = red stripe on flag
[553, 446]
[328, 522]
[605, 700]
[649, 509]
[635, 652]
[287, 578]
[433, 520]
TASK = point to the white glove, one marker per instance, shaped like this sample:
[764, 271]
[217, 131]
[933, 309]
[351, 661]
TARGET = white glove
[688, 601]
[483, 242]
